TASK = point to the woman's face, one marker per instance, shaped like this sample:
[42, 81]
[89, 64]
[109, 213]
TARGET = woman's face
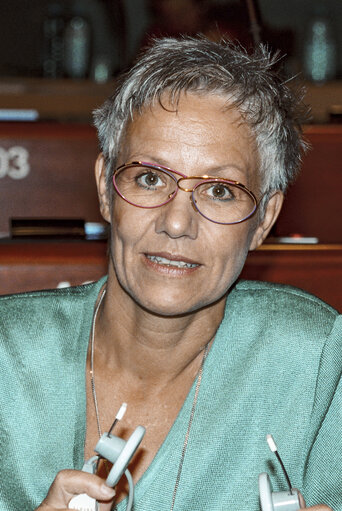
[171, 260]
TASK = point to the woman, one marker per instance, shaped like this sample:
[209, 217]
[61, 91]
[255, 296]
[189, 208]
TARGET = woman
[207, 364]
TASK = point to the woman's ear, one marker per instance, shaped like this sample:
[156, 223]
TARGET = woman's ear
[272, 211]
[100, 176]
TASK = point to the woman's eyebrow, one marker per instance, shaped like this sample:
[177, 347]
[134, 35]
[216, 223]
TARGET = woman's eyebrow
[149, 159]
[214, 171]
[220, 168]
[226, 169]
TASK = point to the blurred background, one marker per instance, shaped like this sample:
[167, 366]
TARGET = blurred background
[59, 60]
[114, 30]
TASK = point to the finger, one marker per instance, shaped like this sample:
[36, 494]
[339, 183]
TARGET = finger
[69, 483]
[301, 500]
[319, 507]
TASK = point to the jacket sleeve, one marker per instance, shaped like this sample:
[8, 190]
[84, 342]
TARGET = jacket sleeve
[323, 466]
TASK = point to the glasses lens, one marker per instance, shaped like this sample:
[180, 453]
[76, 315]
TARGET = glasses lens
[145, 186]
[224, 202]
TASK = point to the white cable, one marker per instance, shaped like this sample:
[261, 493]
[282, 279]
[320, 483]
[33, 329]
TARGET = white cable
[130, 491]
[271, 443]
[121, 411]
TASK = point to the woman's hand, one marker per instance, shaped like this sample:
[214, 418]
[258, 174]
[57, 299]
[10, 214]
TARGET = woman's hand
[69, 483]
[319, 507]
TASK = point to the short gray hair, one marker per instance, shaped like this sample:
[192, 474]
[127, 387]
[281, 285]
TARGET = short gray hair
[250, 82]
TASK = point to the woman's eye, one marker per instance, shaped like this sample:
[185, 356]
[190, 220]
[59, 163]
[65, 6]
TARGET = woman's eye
[220, 191]
[149, 180]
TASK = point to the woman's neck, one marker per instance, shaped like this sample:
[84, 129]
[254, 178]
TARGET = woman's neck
[151, 347]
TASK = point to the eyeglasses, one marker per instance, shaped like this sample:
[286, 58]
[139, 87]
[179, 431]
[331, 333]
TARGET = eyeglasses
[222, 201]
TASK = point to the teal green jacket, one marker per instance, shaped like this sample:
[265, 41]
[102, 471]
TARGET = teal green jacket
[274, 367]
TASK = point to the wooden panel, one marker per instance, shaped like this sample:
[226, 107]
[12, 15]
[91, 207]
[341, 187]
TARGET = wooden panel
[60, 181]
[62, 99]
[313, 205]
[317, 269]
[26, 266]
[50, 175]
[39, 265]
[324, 99]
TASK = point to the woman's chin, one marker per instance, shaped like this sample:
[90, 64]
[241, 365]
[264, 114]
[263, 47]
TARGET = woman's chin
[167, 308]
[174, 306]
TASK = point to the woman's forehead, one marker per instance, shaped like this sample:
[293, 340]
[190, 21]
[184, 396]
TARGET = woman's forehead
[195, 114]
[201, 129]
[198, 100]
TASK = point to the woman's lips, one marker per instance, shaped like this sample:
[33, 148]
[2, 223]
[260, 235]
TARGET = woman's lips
[173, 263]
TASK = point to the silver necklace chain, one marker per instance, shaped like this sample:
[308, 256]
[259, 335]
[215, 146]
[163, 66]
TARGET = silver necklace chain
[92, 374]
[187, 434]
[193, 408]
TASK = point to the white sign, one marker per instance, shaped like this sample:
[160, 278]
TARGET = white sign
[14, 162]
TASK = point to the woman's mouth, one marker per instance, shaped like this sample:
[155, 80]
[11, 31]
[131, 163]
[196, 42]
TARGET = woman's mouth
[167, 263]
[171, 262]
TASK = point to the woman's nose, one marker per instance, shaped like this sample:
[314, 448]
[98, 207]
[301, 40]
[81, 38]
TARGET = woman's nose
[178, 218]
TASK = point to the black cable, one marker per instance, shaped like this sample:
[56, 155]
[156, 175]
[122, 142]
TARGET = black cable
[284, 470]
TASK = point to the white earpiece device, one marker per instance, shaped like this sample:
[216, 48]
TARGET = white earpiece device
[119, 453]
[276, 501]
[273, 501]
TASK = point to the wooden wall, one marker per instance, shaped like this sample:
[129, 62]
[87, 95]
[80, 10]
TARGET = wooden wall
[46, 170]
[313, 205]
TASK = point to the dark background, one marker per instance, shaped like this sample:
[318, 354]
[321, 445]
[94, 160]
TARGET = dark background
[119, 26]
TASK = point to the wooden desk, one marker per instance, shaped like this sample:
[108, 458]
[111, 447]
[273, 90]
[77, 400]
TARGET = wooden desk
[42, 264]
[25, 266]
[62, 99]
